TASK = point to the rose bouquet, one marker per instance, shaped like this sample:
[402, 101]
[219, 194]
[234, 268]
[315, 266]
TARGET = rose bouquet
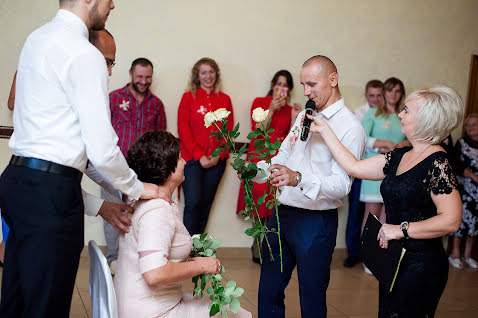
[205, 246]
[265, 149]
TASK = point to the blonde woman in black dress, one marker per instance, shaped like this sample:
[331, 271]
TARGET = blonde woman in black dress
[421, 201]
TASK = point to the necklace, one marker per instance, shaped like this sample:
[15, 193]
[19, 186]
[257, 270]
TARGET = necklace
[405, 168]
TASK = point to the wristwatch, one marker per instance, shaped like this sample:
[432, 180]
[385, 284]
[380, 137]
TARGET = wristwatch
[298, 177]
[404, 228]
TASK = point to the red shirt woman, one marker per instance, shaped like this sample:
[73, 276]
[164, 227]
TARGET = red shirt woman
[203, 172]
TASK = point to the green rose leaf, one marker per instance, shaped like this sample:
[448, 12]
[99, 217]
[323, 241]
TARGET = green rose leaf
[209, 290]
[217, 152]
[250, 231]
[252, 135]
[276, 145]
[214, 309]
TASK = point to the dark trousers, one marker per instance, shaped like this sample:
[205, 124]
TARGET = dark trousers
[308, 241]
[199, 188]
[354, 220]
[45, 215]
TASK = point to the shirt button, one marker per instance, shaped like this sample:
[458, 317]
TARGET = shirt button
[301, 189]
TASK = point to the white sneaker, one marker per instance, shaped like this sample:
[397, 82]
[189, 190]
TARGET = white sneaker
[366, 270]
[471, 262]
[113, 267]
[455, 262]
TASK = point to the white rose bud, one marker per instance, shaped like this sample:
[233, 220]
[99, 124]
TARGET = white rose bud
[221, 113]
[198, 236]
[209, 119]
[259, 114]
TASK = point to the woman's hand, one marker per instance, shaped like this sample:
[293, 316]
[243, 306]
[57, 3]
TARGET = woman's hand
[318, 125]
[213, 161]
[389, 232]
[208, 265]
[205, 162]
[277, 103]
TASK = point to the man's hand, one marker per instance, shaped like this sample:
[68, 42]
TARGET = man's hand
[152, 191]
[282, 176]
[113, 214]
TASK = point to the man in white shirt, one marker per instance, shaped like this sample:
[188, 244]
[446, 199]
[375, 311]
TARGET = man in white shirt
[61, 120]
[312, 185]
[374, 97]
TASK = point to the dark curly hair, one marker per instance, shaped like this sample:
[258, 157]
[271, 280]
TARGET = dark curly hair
[154, 156]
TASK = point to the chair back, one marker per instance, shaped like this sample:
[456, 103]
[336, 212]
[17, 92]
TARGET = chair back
[102, 292]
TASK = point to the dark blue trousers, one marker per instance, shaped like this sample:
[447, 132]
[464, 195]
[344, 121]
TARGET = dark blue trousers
[308, 241]
[354, 220]
[45, 214]
[199, 186]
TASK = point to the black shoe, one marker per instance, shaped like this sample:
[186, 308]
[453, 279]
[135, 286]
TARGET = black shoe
[351, 261]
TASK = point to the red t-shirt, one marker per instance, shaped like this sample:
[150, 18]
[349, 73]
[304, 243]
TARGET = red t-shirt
[193, 135]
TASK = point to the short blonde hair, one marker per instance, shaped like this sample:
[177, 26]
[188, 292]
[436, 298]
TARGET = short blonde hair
[440, 111]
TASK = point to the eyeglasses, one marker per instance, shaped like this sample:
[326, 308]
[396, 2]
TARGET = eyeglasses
[110, 62]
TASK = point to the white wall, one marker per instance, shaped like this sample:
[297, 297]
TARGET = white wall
[420, 42]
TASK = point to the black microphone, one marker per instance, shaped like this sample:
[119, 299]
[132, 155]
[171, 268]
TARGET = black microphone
[309, 108]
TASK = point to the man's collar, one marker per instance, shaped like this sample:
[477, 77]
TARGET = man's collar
[332, 109]
[73, 20]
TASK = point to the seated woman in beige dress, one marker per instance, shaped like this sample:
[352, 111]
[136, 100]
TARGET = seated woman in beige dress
[154, 256]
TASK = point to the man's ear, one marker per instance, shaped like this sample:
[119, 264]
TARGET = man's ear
[334, 79]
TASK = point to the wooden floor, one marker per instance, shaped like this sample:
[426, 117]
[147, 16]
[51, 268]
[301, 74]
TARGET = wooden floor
[351, 292]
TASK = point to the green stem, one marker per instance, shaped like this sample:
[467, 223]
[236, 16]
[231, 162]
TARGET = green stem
[269, 161]
[248, 190]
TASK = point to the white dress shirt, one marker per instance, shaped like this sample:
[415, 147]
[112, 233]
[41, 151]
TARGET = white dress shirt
[360, 113]
[62, 106]
[324, 182]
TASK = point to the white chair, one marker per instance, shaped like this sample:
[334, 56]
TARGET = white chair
[102, 292]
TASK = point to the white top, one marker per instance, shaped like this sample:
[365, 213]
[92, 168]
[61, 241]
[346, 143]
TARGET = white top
[324, 182]
[360, 113]
[62, 106]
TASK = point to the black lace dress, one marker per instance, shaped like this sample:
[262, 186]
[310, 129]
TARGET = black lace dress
[423, 272]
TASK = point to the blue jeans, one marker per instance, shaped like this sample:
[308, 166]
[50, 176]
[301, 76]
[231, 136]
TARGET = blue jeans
[308, 241]
[200, 186]
[354, 220]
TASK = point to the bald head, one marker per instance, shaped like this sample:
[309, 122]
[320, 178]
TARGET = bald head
[325, 65]
[105, 43]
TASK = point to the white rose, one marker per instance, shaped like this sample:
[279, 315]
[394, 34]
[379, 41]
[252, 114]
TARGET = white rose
[221, 113]
[209, 119]
[259, 114]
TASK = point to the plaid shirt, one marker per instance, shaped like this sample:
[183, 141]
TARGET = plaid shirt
[131, 119]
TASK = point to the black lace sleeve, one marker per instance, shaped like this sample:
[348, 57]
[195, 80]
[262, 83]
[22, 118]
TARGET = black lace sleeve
[441, 179]
[388, 158]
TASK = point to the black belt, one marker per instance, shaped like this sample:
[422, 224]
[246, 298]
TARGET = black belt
[46, 166]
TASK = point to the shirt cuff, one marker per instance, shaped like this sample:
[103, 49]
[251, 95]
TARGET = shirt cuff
[370, 143]
[92, 203]
[309, 186]
[138, 190]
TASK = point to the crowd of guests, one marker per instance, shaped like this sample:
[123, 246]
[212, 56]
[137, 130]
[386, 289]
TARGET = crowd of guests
[407, 179]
